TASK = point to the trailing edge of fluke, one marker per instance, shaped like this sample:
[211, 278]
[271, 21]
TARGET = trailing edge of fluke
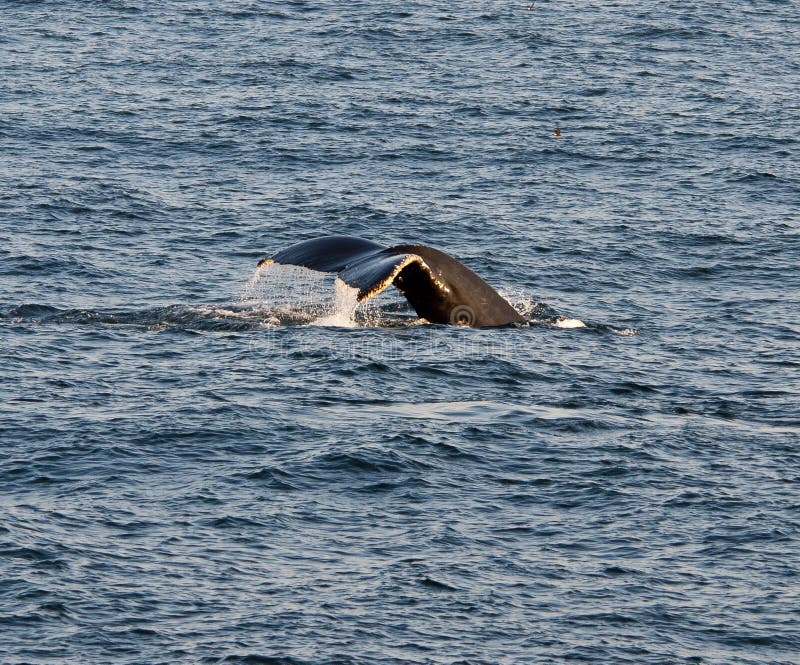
[439, 288]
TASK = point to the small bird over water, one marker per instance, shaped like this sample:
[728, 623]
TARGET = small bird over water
[557, 132]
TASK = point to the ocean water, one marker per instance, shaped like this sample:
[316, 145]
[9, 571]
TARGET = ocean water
[200, 464]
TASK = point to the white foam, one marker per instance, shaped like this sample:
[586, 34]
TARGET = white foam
[566, 322]
[518, 299]
[345, 301]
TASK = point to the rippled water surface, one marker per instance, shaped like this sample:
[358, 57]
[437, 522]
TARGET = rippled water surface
[200, 464]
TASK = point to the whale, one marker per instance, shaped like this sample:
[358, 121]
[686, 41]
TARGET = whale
[440, 288]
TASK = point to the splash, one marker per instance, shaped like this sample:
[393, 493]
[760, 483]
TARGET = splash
[539, 313]
[276, 286]
[296, 295]
[345, 301]
[542, 314]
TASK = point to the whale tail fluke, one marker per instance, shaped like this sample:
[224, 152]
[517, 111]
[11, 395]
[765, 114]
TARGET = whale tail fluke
[438, 287]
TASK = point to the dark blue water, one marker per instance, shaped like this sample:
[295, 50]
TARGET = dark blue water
[191, 473]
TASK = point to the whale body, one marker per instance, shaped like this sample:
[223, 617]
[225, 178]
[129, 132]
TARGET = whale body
[438, 287]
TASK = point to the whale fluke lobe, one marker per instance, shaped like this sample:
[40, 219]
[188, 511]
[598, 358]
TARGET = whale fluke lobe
[327, 254]
[438, 287]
